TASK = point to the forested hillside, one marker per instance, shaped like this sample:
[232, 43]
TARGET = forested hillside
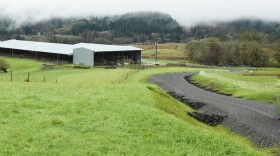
[128, 28]
[139, 27]
[237, 43]
[234, 30]
[240, 42]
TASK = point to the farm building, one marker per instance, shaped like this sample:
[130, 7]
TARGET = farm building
[81, 53]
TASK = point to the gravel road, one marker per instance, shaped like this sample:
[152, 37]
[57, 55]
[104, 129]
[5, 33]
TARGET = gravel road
[255, 120]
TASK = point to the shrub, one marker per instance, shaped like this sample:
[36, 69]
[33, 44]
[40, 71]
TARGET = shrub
[4, 65]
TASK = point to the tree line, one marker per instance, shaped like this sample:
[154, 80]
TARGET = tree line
[252, 49]
[129, 28]
[139, 27]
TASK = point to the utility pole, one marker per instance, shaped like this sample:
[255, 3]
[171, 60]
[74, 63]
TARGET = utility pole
[156, 46]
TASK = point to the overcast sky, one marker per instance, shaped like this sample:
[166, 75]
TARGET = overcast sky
[187, 12]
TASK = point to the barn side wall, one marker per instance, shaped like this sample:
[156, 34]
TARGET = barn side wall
[83, 56]
[43, 56]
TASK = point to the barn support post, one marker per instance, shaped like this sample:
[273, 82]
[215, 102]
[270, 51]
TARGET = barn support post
[103, 57]
[36, 55]
[46, 58]
[113, 57]
[12, 52]
[57, 58]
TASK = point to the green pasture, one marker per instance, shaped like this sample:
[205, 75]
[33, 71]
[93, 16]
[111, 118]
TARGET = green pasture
[266, 83]
[92, 112]
[166, 51]
[166, 54]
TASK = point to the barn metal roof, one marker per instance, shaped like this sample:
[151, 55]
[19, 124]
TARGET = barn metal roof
[56, 48]
[105, 48]
[65, 49]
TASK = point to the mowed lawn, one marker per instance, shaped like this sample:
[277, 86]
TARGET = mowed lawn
[89, 112]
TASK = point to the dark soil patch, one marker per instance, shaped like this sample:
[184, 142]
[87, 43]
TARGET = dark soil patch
[192, 103]
[212, 120]
[80, 67]
[111, 67]
[47, 67]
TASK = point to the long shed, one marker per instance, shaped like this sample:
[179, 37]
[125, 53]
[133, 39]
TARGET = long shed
[81, 53]
[98, 54]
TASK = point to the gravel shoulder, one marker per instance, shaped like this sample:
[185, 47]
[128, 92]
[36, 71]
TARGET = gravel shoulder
[256, 120]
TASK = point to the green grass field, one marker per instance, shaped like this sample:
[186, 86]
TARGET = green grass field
[265, 84]
[88, 112]
[166, 51]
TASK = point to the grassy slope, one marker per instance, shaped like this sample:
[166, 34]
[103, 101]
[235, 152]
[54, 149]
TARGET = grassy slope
[166, 54]
[87, 113]
[167, 51]
[261, 77]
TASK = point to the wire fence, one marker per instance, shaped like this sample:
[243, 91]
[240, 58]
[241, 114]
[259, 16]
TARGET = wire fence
[278, 103]
[242, 84]
[12, 76]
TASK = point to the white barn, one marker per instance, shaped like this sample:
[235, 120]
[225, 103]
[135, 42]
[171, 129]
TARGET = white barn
[81, 53]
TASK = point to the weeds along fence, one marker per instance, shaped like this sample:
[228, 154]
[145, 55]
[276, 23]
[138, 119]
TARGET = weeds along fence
[242, 84]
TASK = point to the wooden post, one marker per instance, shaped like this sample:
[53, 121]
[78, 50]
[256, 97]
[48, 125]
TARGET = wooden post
[28, 80]
[11, 76]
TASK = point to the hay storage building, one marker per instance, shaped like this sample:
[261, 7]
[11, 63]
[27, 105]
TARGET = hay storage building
[81, 53]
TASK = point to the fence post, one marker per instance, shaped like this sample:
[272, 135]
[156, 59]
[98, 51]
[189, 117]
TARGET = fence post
[11, 76]
[28, 76]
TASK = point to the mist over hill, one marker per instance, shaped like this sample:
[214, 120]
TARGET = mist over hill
[233, 30]
[136, 27]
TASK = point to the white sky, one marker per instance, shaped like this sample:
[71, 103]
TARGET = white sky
[187, 12]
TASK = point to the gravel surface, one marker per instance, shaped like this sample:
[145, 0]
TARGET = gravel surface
[255, 120]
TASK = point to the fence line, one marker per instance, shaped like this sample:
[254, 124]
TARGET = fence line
[278, 103]
[242, 84]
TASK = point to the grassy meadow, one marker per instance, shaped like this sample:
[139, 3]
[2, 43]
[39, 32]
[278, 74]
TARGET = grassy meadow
[91, 112]
[166, 51]
[265, 80]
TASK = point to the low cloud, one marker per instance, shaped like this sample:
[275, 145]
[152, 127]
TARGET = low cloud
[187, 12]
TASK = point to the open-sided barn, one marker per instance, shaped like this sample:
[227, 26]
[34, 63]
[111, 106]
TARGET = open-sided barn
[81, 53]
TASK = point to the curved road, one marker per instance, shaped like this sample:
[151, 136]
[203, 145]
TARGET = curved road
[255, 120]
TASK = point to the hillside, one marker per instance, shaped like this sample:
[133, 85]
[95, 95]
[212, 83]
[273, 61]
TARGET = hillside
[233, 30]
[92, 112]
[137, 27]
[128, 28]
